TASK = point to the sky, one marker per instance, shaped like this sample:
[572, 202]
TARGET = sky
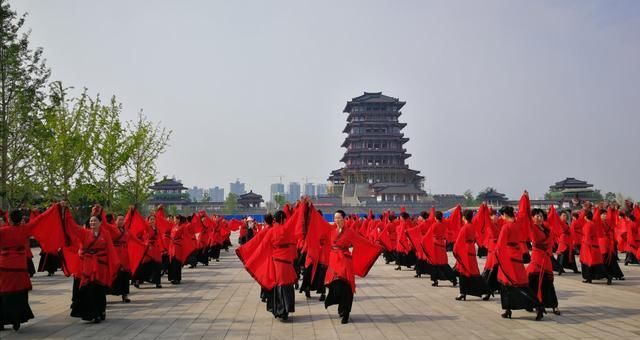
[510, 94]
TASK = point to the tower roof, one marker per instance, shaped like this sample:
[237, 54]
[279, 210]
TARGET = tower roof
[372, 98]
[571, 183]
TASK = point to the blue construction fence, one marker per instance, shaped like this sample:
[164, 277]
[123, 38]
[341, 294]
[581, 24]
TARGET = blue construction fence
[328, 217]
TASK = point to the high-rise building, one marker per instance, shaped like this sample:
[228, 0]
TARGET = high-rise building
[321, 189]
[294, 192]
[196, 194]
[216, 194]
[375, 170]
[276, 189]
[309, 190]
[237, 188]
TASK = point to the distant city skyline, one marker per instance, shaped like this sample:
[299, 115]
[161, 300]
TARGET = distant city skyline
[509, 94]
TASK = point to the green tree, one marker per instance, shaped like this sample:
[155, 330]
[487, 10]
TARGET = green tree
[206, 197]
[553, 195]
[230, 204]
[469, 200]
[280, 200]
[112, 148]
[23, 76]
[148, 142]
[62, 144]
[610, 196]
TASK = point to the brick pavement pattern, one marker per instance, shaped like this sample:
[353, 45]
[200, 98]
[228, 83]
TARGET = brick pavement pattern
[221, 301]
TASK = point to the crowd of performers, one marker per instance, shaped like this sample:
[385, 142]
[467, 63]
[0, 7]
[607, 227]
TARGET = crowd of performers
[105, 256]
[296, 248]
[523, 248]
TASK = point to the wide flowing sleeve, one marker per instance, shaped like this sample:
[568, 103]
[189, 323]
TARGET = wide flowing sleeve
[364, 254]
[256, 255]
[48, 230]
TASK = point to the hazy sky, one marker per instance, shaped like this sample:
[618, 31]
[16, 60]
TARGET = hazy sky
[510, 94]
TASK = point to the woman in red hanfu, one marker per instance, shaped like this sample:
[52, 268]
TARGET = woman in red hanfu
[540, 270]
[515, 292]
[434, 244]
[607, 221]
[15, 283]
[566, 245]
[269, 258]
[317, 257]
[591, 260]
[150, 265]
[464, 250]
[180, 247]
[577, 223]
[120, 236]
[633, 239]
[345, 264]
[490, 271]
[99, 266]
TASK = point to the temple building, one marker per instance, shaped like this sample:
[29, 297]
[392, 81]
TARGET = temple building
[170, 193]
[250, 200]
[573, 192]
[375, 172]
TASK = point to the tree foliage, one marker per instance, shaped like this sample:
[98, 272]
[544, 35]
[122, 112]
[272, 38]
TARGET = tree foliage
[54, 145]
[230, 204]
[23, 78]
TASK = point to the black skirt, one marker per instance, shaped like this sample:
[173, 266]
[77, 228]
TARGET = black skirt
[568, 261]
[281, 301]
[422, 267]
[490, 276]
[203, 256]
[388, 256]
[340, 294]
[175, 270]
[318, 279]
[557, 267]
[49, 263]
[441, 272]
[149, 272]
[549, 297]
[14, 308]
[597, 272]
[513, 298]
[91, 302]
[120, 285]
[613, 268]
[630, 259]
[473, 285]
[214, 252]
[30, 267]
[165, 263]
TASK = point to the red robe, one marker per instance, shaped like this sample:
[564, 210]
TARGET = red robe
[14, 276]
[491, 241]
[509, 255]
[541, 253]
[344, 264]
[434, 243]
[181, 245]
[464, 251]
[99, 262]
[256, 258]
[283, 243]
[590, 250]
[120, 239]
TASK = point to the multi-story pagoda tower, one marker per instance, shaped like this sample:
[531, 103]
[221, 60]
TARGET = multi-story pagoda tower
[375, 169]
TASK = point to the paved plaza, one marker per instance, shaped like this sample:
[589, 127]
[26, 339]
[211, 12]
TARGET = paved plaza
[221, 301]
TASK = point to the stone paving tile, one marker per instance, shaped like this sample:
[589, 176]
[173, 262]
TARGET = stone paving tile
[221, 302]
